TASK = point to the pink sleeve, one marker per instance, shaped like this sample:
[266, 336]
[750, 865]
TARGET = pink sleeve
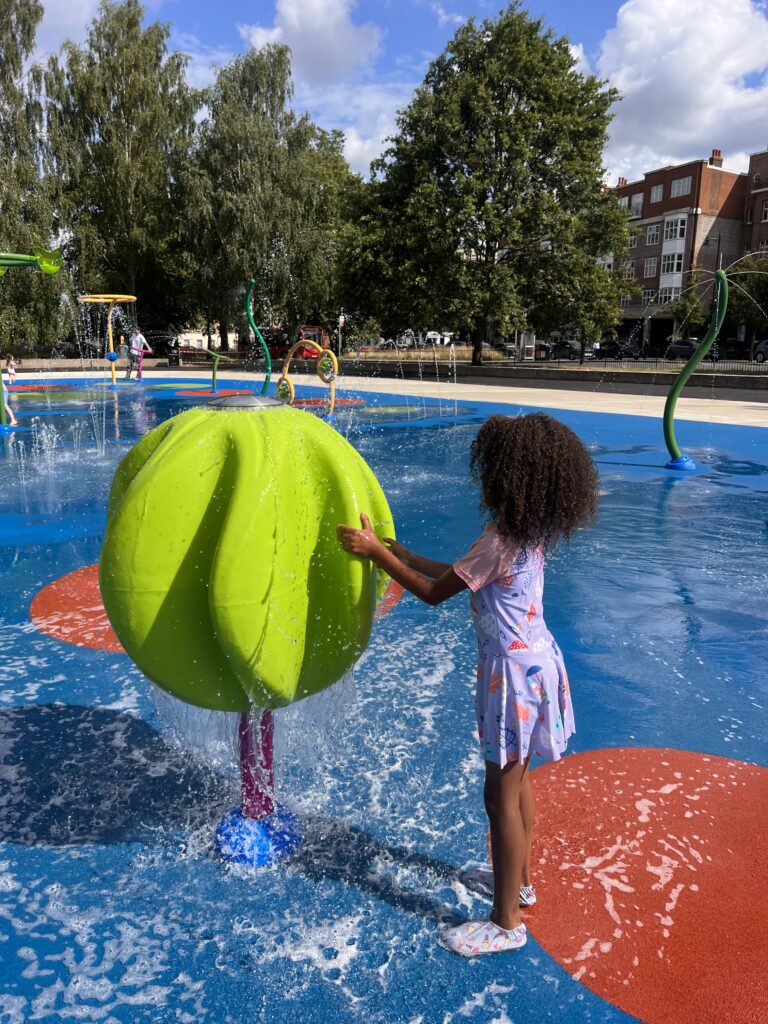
[487, 559]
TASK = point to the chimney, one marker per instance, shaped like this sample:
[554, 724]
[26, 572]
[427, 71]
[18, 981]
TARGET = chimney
[716, 160]
[622, 182]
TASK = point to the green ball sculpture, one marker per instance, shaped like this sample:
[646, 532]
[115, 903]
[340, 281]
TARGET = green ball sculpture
[220, 570]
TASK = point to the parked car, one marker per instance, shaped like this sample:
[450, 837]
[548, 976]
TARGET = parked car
[761, 351]
[570, 348]
[617, 348]
[684, 348]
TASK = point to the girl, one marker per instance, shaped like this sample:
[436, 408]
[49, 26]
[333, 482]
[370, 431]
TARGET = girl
[11, 419]
[538, 484]
[10, 368]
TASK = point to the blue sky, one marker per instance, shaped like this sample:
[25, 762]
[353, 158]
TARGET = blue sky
[693, 73]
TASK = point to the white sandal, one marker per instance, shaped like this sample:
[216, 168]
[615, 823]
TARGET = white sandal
[475, 938]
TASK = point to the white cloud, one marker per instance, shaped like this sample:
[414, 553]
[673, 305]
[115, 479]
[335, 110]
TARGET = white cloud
[365, 112]
[203, 60]
[325, 43]
[63, 19]
[578, 54]
[693, 75]
[445, 17]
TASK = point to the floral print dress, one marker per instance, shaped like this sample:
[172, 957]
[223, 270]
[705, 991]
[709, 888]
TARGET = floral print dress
[522, 702]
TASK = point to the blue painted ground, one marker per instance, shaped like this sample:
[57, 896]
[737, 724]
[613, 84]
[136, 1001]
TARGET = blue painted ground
[112, 908]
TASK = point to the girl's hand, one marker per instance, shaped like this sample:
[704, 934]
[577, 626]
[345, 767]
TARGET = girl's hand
[398, 550]
[363, 543]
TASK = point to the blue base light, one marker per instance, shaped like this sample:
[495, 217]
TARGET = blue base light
[258, 842]
[683, 463]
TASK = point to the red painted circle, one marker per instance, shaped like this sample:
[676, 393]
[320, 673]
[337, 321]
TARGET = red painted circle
[318, 402]
[71, 609]
[651, 881]
[40, 387]
[207, 393]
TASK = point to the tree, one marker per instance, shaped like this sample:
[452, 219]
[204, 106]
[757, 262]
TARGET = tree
[28, 301]
[489, 209]
[263, 193]
[748, 297]
[120, 119]
[690, 310]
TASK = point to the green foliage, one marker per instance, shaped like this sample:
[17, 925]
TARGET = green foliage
[488, 210]
[28, 299]
[263, 191]
[120, 118]
[690, 310]
[748, 296]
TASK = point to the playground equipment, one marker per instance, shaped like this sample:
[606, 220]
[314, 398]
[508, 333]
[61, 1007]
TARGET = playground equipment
[222, 577]
[326, 367]
[47, 261]
[258, 335]
[678, 460]
[109, 301]
[217, 358]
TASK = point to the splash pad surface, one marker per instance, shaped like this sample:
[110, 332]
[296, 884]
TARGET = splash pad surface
[114, 908]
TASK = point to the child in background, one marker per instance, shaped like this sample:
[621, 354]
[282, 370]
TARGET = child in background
[539, 484]
[10, 368]
[8, 410]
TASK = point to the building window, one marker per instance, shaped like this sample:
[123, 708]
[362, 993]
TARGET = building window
[649, 269]
[652, 234]
[764, 245]
[657, 193]
[672, 263]
[749, 215]
[674, 228]
[632, 240]
[623, 202]
[649, 297]
[668, 294]
[629, 270]
[681, 187]
[637, 205]
[625, 300]
[764, 218]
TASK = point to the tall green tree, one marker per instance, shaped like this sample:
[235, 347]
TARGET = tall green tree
[28, 301]
[120, 121]
[263, 194]
[488, 209]
[748, 297]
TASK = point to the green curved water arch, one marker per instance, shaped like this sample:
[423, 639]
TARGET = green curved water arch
[678, 460]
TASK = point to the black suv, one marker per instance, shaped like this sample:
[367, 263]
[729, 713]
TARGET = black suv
[684, 348]
[617, 348]
[569, 348]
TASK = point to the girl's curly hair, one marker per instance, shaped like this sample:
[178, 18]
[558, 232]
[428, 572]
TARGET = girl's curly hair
[538, 479]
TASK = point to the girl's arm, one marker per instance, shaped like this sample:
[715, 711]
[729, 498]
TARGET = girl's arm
[426, 566]
[365, 544]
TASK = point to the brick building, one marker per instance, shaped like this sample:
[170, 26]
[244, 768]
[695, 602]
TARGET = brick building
[683, 216]
[756, 204]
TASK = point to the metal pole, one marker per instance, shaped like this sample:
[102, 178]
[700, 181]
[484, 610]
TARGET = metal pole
[111, 343]
[257, 775]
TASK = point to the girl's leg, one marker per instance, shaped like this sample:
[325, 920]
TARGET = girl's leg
[508, 839]
[528, 812]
